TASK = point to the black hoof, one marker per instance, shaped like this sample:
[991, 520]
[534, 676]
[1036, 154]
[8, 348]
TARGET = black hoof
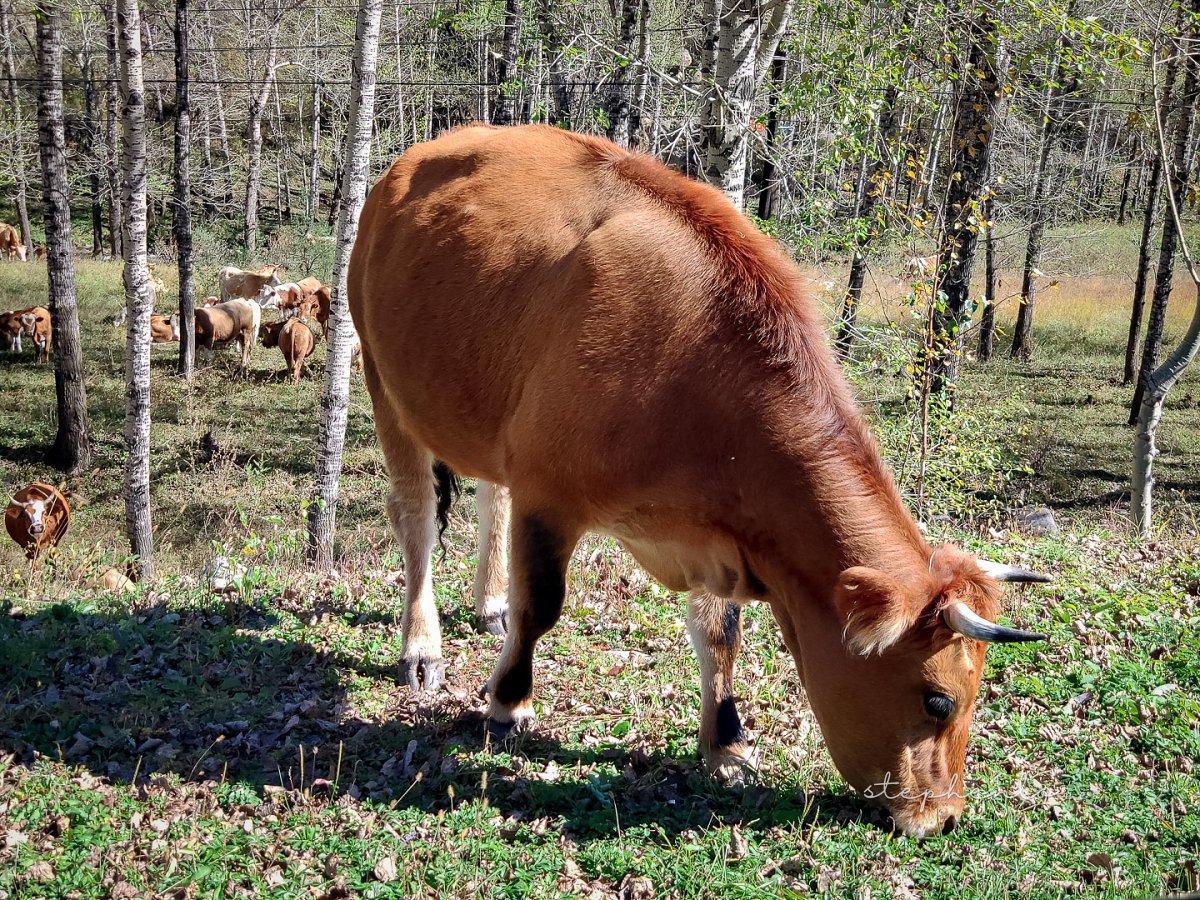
[497, 624]
[500, 732]
[423, 673]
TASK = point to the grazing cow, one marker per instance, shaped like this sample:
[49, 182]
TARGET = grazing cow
[234, 320]
[921, 266]
[37, 325]
[294, 340]
[37, 517]
[238, 284]
[610, 347]
[164, 329]
[11, 244]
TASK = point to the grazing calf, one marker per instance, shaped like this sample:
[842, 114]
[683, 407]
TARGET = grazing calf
[234, 320]
[37, 517]
[240, 284]
[921, 266]
[164, 329]
[294, 340]
[10, 242]
[610, 347]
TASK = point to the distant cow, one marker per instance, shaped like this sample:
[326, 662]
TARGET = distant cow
[39, 252]
[234, 320]
[10, 242]
[33, 323]
[164, 329]
[238, 284]
[294, 340]
[37, 517]
[921, 266]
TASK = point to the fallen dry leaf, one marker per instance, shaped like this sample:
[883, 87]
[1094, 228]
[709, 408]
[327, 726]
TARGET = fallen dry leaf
[385, 869]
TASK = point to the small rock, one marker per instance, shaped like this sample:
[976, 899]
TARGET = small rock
[221, 574]
[385, 869]
[1036, 521]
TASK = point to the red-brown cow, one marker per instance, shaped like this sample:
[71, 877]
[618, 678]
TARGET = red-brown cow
[10, 242]
[294, 340]
[240, 284]
[611, 347]
[164, 329]
[234, 320]
[37, 517]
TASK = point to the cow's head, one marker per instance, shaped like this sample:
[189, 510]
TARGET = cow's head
[22, 252]
[270, 334]
[896, 698]
[33, 514]
[268, 297]
[29, 322]
[174, 323]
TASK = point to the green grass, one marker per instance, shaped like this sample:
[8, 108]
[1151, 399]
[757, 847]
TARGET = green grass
[260, 744]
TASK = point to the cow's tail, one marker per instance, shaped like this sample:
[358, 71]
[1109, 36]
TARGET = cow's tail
[448, 488]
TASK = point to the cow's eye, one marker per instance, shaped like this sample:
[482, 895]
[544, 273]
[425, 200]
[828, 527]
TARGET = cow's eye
[938, 705]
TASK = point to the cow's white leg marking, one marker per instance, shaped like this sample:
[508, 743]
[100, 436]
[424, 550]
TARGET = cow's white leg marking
[491, 576]
[715, 626]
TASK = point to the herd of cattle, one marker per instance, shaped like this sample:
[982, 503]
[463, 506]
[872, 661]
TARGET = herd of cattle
[233, 317]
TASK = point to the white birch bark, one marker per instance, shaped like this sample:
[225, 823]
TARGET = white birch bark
[335, 401]
[137, 294]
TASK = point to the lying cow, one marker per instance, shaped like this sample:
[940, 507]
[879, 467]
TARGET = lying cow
[234, 320]
[294, 340]
[164, 329]
[11, 244]
[37, 517]
[920, 266]
[239, 284]
[644, 364]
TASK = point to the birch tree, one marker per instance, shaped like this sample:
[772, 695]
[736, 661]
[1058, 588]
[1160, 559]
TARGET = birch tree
[137, 295]
[1158, 382]
[18, 159]
[258, 105]
[71, 451]
[183, 188]
[335, 401]
[747, 34]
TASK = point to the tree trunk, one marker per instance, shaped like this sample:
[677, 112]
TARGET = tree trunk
[335, 402]
[183, 194]
[92, 150]
[987, 322]
[71, 451]
[286, 207]
[642, 81]
[258, 104]
[137, 295]
[768, 185]
[1022, 344]
[560, 107]
[979, 91]
[1143, 273]
[19, 160]
[506, 65]
[1123, 205]
[112, 166]
[617, 105]
[1157, 382]
[314, 160]
[747, 39]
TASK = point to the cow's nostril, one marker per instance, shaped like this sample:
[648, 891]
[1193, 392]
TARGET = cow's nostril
[949, 825]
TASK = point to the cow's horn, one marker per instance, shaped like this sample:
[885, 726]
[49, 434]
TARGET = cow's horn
[961, 618]
[1001, 572]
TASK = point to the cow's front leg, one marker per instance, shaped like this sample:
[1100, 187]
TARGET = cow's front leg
[491, 575]
[715, 626]
[541, 549]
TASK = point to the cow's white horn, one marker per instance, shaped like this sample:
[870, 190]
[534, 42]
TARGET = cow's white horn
[1001, 572]
[961, 618]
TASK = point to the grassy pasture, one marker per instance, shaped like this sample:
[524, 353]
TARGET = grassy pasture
[173, 743]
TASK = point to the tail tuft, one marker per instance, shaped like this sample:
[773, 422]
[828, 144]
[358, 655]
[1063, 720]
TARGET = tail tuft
[448, 488]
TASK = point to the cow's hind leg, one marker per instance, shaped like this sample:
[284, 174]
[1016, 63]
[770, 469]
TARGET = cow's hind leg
[491, 576]
[411, 509]
[541, 549]
[715, 626]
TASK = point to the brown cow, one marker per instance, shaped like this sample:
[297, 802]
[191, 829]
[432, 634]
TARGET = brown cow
[39, 252]
[33, 323]
[164, 329]
[611, 347]
[921, 266]
[11, 244]
[234, 320]
[244, 285]
[37, 517]
[294, 340]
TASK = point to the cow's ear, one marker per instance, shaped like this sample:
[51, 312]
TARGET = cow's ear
[874, 608]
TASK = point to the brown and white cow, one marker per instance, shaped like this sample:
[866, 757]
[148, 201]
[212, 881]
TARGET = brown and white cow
[11, 244]
[164, 329]
[33, 323]
[234, 320]
[240, 284]
[36, 518]
[294, 340]
[610, 347]
[920, 266]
